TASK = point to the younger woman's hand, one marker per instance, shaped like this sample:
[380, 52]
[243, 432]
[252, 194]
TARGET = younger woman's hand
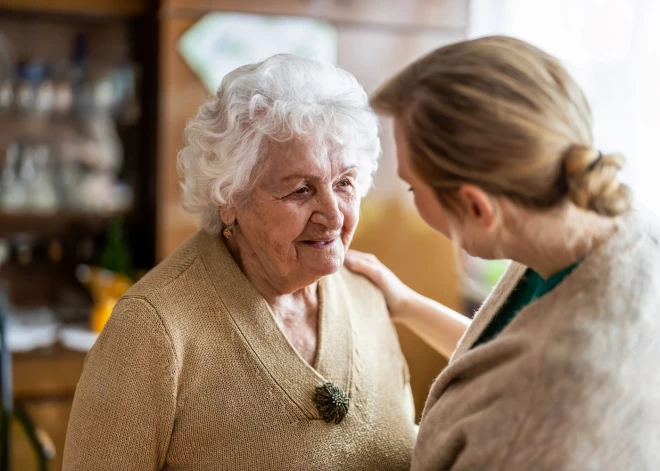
[395, 291]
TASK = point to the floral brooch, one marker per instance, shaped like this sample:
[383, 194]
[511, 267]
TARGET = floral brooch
[331, 402]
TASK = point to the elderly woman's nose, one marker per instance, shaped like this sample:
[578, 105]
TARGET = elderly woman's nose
[328, 212]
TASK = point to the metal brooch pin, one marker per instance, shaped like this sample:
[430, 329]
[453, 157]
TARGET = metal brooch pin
[331, 402]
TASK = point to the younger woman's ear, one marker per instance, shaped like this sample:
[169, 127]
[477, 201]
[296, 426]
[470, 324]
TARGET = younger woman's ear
[477, 206]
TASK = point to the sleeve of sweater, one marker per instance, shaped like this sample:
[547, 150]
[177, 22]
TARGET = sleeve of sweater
[124, 406]
[498, 408]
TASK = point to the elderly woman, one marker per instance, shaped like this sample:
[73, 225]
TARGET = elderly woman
[251, 348]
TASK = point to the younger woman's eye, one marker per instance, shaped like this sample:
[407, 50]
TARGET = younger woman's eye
[411, 189]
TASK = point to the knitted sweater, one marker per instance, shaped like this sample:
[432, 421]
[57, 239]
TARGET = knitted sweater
[572, 383]
[193, 373]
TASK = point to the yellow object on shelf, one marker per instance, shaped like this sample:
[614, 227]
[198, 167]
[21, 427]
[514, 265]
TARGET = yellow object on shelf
[101, 313]
[106, 287]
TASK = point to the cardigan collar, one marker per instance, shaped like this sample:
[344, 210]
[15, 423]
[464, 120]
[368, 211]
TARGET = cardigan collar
[254, 320]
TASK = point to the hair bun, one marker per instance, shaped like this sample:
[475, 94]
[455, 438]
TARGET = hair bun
[593, 181]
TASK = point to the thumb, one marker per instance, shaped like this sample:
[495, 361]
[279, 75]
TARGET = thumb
[352, 259]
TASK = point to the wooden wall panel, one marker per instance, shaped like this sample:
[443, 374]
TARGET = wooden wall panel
[181, 94]
[373, 55]
[416, 14]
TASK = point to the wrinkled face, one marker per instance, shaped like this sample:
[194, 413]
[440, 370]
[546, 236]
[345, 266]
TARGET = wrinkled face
[300, 218]
[426, 200]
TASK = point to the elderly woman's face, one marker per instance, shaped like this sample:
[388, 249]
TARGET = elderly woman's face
[301, 216]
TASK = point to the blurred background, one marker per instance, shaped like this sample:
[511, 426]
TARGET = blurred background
[94, 97]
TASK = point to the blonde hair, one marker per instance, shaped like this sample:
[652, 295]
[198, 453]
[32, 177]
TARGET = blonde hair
[503, 115]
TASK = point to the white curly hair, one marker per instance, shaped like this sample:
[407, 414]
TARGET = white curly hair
[284, 97]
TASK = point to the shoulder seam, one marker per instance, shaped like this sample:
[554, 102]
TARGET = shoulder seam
[169, 282]
[162, 323]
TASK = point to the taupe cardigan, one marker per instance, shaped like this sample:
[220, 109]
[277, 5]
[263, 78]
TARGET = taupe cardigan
[573, 383]
[193, 373]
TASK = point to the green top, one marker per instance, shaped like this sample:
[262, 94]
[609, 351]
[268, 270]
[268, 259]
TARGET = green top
[530, 287]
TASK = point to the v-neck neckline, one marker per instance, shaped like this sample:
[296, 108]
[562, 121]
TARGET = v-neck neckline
[321, 329]
[255, 321]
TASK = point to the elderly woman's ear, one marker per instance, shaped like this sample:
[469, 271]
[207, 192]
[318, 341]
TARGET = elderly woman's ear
[227, 215]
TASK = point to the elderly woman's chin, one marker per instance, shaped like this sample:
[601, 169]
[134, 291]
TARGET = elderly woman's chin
[321, 258]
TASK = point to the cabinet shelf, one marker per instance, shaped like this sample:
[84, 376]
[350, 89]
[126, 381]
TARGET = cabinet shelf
[122, 8]
[54, 224]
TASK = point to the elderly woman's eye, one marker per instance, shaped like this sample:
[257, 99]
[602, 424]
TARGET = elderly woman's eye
[302, 190]
[345, 183]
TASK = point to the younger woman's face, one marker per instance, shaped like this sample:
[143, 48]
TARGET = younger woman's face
[426, 200]
[476, 230]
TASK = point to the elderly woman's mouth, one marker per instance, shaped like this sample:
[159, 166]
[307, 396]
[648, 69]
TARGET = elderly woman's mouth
[319, 244]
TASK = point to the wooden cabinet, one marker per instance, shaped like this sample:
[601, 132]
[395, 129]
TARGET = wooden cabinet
[375, 39]
[44, 383]
[103, 36]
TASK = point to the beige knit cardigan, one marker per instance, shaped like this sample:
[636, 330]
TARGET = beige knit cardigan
[573, 383]
[193, 373]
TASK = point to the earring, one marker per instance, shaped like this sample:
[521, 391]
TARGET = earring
[227, 233]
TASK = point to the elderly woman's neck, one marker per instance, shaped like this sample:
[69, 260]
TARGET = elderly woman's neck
[294, 307]
[280, 292]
